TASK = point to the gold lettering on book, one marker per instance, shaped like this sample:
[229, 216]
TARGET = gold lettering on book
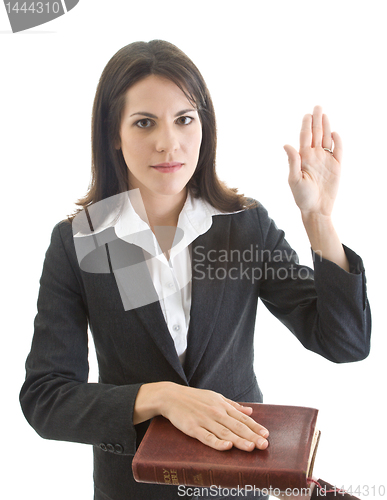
[170, 476]
[175, 479]
[198, 479]
[166, 476]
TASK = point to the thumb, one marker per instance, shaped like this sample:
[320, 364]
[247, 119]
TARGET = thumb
[294, 160]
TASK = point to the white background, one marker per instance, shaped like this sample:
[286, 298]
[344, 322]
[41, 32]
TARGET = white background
[266, 65]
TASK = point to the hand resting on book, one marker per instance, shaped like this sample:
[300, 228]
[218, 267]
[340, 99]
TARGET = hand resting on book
[205, 415]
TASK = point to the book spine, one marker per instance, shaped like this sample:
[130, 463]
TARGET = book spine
[225, 478]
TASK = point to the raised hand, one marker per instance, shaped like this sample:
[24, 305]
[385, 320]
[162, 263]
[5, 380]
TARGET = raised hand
[314, 172]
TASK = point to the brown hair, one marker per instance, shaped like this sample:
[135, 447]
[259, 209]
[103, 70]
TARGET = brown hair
[128, 66]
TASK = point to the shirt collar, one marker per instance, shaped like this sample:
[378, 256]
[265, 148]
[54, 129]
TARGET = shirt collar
[129, 219]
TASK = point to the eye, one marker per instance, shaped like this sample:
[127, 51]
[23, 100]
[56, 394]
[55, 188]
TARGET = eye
[144, 123]
[184, 120]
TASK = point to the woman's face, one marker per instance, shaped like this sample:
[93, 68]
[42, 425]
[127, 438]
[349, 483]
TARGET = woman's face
[160, 137]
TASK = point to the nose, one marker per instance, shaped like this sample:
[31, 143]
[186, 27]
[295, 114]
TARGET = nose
[167, 140]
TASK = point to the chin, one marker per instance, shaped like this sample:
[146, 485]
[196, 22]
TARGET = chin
[170, 189]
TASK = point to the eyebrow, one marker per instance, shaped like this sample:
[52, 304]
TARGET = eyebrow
[150, 115]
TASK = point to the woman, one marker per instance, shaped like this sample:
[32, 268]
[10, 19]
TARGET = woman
[149, 264]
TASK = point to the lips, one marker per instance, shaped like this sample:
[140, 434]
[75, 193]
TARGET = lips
[166, 167]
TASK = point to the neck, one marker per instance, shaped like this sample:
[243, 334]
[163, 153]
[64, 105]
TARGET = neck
[163, 210]
[163, 213]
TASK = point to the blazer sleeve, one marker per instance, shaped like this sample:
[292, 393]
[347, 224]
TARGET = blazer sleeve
[56, 398]
[326, 309]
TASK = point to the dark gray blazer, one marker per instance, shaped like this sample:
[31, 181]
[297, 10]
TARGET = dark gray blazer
[327, 311]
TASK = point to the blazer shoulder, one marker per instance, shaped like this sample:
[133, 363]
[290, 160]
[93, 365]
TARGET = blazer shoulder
[62, 242]
[62, 233]
[255, 206]
[256, 222]
[255, 213]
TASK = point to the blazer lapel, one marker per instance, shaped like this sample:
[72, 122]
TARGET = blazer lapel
[129, 266]
[153, 319]
[208, 282]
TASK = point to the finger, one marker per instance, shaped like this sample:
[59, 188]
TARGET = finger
[245, 431]
[209, 439]
[338, 148]
[327, 135]
[220, 437]
[245, 434]
[246, 423]
[317, 127]
[306, 132]
[245, 419]
[227, 434]
[238, 434]
[294, 160]
[244, 409]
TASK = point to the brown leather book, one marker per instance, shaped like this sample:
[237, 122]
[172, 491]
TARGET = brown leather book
[168, 456]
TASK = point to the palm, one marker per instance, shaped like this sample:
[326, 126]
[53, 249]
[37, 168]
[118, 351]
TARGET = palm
[314, 172]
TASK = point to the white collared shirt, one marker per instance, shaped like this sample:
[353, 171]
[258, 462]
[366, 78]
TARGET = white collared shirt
[171, 278]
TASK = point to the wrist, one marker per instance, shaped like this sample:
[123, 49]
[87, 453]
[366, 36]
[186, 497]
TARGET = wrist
[150, 401]
[317, 220]
[324, 239]
[319, 229]
[165, 391]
